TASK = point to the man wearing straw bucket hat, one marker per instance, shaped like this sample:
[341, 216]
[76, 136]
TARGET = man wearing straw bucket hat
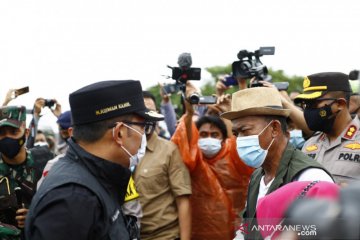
[259, 122]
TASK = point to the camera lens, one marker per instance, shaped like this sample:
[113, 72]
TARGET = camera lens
[194, 98]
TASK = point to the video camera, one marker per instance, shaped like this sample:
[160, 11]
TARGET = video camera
[249, 65]
[49, 103]
[185, 72]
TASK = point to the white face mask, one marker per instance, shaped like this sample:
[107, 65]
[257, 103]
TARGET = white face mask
[134, 159]
[209, 146]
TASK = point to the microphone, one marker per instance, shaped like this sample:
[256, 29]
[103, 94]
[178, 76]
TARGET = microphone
[185, 60]
[354, 75]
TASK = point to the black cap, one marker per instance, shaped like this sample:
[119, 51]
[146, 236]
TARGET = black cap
[317, 85]
[108, 99]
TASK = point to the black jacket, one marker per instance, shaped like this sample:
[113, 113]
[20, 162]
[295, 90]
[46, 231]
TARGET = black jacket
[80, 198]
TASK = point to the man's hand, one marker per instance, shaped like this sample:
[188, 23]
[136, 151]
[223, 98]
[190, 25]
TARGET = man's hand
[10, 95]
[190, 89]
[40, 104]
[220, 86]
[57, 110]
[164, 97]
[224, 103]
[21, 217]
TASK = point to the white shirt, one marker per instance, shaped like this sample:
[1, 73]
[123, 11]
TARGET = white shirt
[311, 174]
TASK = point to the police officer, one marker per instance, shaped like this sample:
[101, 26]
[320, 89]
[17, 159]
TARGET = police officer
[326, 110]
[19, 167]
[81, 197]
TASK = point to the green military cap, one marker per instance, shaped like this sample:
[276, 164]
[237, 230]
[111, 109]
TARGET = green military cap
[12, 116]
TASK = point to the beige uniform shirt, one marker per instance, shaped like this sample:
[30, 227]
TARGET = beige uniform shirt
[160, 177]
[341, 157]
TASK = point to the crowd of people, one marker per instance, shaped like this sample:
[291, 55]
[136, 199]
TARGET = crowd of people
[251, 166]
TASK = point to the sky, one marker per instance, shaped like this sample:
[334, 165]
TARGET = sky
[57, 47]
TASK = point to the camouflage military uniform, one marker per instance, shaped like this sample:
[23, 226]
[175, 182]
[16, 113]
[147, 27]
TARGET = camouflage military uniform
[18, 176]
[24, 175]
[340, 157]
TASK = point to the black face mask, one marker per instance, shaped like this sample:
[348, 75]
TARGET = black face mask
[11, 147]
[320, 119]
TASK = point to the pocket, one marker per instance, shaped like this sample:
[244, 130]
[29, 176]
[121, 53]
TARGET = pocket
[152, 180]
[347, 164]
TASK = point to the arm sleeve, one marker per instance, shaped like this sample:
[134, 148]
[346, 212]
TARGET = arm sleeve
[168, 111]
[68, 212]
[189, 151]
[179, 175]
[313, 174]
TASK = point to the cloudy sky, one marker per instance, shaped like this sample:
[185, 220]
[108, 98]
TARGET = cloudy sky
[56, 47]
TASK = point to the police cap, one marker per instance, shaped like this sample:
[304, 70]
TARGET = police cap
[317, 85]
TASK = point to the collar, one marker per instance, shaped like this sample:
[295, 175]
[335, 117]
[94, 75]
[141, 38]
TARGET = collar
[151, 143]
[109, 174]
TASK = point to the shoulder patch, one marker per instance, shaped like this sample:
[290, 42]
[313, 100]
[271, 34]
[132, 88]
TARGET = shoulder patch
[311, 148]
[353, 146]
[350, 132]
[131, 191]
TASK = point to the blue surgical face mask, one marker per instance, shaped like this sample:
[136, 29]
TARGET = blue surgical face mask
[250, 151]
[296, 138]
[209, 146]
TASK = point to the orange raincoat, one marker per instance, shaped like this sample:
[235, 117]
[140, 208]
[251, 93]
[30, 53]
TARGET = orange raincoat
[219, 186]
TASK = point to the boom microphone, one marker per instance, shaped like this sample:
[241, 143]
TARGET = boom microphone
[354, 75]
[185, 60]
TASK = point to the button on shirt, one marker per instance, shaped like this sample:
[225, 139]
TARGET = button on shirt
[160, 177]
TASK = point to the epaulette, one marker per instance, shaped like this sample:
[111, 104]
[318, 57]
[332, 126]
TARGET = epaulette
[350, 132]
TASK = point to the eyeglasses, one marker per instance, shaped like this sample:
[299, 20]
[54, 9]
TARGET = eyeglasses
[149, 127]
[313, 103]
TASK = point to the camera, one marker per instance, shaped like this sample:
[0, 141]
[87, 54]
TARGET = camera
[249, 65]
[195, 98]
[183, 74]
[49, 103]
[230, 81]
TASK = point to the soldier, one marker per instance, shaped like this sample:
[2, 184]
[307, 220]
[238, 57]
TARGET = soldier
[19, 167]
[335, 143]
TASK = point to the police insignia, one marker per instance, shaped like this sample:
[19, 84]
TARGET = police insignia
[350, 132]
[353, 146]
[306, 82]
[322, 113]
[311, 148]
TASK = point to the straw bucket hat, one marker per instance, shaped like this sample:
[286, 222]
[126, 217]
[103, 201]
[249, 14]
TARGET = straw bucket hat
[256, 101]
